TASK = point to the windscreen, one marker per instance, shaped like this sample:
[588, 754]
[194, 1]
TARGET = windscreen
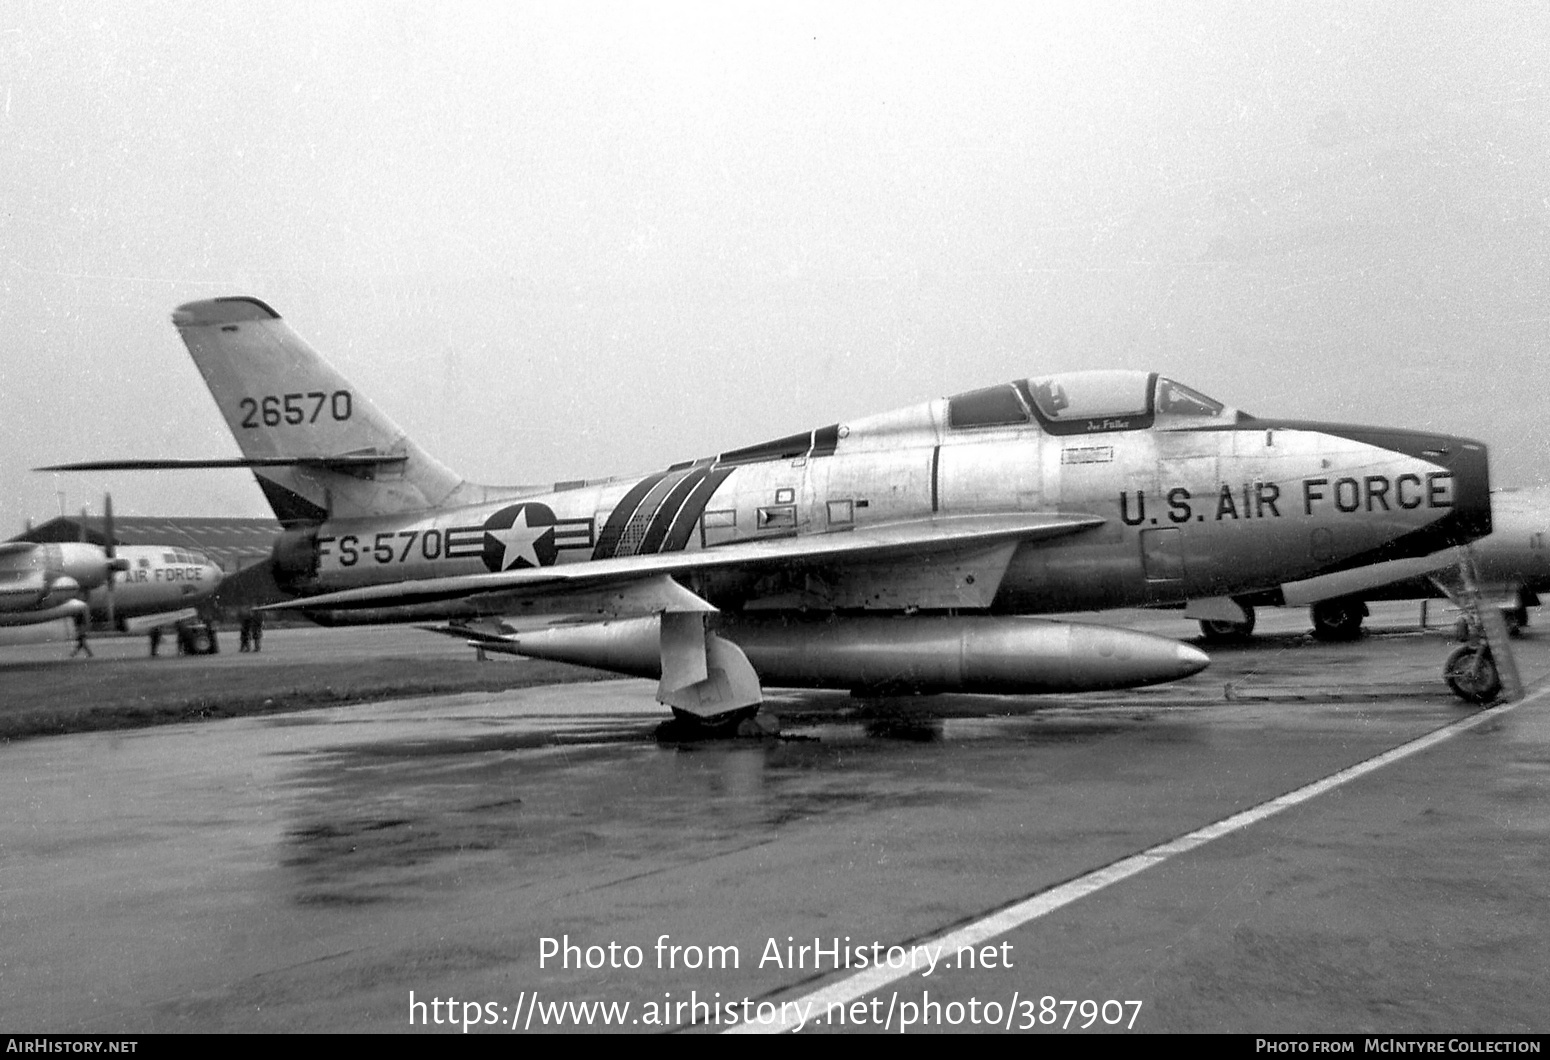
[1176, 399]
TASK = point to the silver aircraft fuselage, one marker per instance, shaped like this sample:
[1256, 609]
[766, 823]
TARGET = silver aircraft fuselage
[1191, 505]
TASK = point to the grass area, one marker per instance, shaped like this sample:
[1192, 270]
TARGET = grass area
[46, 698]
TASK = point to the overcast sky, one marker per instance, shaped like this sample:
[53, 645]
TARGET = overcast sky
[569, 240]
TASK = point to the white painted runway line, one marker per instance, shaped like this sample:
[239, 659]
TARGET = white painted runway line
[792, 1013]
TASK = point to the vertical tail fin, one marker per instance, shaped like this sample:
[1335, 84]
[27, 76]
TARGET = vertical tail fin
[282, 401]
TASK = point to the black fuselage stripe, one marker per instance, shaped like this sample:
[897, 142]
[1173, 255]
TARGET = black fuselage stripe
[619, 518]
[693, 508]
[826, 440]
[662, 521]
[635, 533]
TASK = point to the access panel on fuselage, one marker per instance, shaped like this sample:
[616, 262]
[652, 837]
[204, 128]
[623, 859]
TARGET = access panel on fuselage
[821, 494]
[990, 471]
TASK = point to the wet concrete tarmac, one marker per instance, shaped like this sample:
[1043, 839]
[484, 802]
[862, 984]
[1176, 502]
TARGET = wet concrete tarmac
[310, 871]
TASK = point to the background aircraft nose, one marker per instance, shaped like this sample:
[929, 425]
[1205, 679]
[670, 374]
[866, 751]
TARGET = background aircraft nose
[209, 579]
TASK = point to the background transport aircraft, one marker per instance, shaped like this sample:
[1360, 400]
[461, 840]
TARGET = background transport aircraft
[160, 586]
[128, 587]
[1513, 565]
[901, 550]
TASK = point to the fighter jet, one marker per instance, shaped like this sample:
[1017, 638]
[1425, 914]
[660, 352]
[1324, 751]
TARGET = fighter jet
[904, 550]
[129, 587]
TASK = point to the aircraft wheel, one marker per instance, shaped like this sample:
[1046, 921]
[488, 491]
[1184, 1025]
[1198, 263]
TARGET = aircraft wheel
[1471, 673]
[684, 727]
[1338, 619]
[1220, 631]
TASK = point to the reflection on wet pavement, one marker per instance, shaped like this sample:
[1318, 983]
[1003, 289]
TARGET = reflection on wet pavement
[306, 871]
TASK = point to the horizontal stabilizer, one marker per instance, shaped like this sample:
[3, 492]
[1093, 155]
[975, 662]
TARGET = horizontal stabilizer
[331, 463]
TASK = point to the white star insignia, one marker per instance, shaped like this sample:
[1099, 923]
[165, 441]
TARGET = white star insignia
[519, 539]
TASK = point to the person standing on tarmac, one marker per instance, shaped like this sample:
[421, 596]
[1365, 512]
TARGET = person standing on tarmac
[80, 638]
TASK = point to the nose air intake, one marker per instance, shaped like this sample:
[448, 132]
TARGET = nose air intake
[1468, 461]
[1469, 516]
[1472, 489]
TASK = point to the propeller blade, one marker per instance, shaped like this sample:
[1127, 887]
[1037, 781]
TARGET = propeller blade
[111, 547]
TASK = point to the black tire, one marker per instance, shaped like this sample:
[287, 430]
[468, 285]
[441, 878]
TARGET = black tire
[199, 642]
[1218, 631]
[1335, 620]
[1471, 673]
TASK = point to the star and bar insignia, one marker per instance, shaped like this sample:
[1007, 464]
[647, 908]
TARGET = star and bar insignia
[529, 535]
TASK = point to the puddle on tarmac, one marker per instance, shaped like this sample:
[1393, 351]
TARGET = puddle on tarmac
[376, 822]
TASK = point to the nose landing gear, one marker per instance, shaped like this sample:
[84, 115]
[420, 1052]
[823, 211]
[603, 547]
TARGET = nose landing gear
[1483, 669]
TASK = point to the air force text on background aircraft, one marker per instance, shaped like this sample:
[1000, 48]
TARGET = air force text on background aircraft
[831, 954]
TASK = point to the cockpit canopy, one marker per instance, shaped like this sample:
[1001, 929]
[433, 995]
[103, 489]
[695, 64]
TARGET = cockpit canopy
[1069, 403]
[1088, 403]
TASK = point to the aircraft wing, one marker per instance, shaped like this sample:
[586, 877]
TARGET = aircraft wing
[988, 540]
[146, 623]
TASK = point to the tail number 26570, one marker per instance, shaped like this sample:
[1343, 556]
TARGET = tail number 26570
[272, 410]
